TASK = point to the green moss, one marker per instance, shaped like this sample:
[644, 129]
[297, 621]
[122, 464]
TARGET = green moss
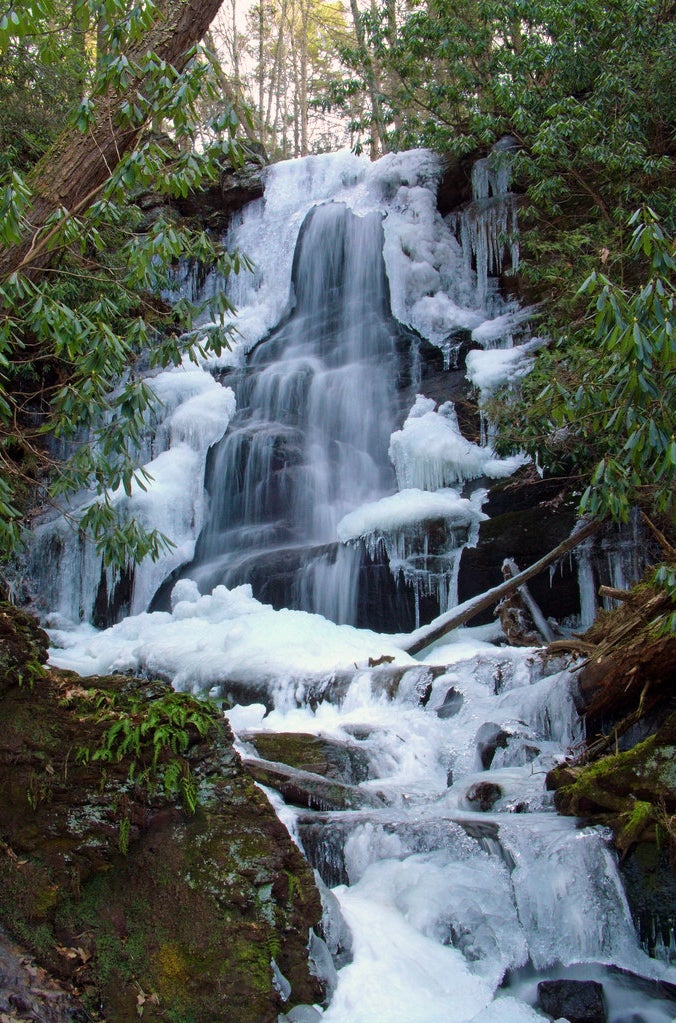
[632, 791]
[633, 823]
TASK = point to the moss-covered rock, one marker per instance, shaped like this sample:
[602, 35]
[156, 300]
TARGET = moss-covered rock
[634, 792]
[316, 753]
[108, 877]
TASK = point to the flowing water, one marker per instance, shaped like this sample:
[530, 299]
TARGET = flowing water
[451, 887]
[309, 441]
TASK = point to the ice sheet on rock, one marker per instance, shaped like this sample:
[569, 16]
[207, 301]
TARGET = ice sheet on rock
[193, 413]
[407, 508]
[488, 226]
[462, 903]
[226, 634]
[430, 453]
[570, 898]
[498, 331]
[488, 370]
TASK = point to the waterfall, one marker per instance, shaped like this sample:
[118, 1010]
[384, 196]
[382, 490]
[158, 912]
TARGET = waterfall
[450, 887]
[309, 441]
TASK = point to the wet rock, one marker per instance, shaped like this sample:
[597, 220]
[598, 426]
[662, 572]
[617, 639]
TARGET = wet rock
[529, 516]
[483, 795]
[453, 701]
[333, 927]
[489, 738]
[630, 791]
[340, 761]
[301, 1014]
[579, 1001]
[650, 886]
[25, 988]
[322, 965]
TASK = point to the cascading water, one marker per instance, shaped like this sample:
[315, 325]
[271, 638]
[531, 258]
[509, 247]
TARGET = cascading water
[309, 441]
[456, 889]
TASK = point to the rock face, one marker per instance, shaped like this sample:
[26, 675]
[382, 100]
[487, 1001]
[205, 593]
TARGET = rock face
[28, 993]
[109, 878]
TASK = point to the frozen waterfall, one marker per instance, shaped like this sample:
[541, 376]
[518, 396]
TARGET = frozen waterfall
[450, 886]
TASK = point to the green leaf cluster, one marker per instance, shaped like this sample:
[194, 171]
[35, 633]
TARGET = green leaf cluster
[77, 340]
[152, 736]
[607, 411]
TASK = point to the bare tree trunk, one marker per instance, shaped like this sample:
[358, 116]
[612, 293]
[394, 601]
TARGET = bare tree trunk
[77, 166]
[303, 98]
[261, 55]
[235, 44]
[79, 29]
[378, 126]
[277, 67]
[231, 91]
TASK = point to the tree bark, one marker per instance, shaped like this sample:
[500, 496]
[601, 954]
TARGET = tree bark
[458, 616]
[77, 166]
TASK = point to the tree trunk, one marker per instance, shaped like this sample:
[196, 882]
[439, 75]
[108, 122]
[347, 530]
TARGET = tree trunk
[377, 125]
[231, 91]
[77, 166]
[303, 97]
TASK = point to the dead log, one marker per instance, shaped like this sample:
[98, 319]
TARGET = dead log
[614, 594]
[510, 569]
[464, 613]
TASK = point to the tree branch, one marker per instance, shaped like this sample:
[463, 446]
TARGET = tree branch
[458, 616]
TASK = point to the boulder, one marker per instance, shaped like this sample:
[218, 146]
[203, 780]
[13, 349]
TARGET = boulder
[339, 761]
[579, 1001]
[489, 738]
[453, 701]
[483, 795]
[304, 788]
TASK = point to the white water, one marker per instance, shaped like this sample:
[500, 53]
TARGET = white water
[454, 911]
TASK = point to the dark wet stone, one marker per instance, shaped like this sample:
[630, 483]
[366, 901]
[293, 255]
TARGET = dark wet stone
[304, 788]
[341, 761]
[483, 795]
[579, 1001]
[453, 701]
[489, 738]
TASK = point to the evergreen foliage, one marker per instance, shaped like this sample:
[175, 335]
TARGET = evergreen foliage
[607, 414]
[78, 334]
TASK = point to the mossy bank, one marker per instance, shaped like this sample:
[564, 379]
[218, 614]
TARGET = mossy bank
[137, 859]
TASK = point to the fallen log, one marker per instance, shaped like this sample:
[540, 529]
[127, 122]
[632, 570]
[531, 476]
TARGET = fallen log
[614, 594]
[427, 634]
